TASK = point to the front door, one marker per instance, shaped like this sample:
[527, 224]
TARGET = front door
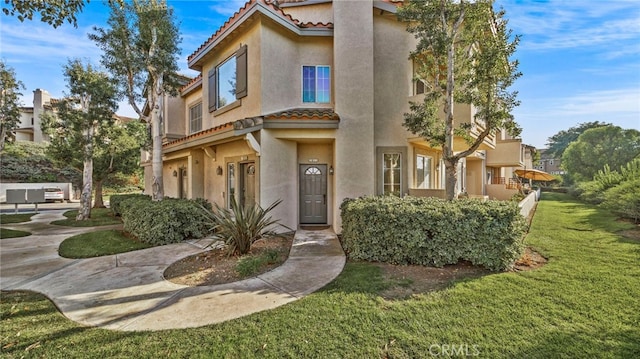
[248, 182]
[313, 194]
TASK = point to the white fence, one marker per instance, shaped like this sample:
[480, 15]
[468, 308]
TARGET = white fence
[529, 203]
[67, 188]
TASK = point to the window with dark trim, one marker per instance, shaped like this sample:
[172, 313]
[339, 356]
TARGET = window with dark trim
[227, 82]
[316, 84]
[195, 118]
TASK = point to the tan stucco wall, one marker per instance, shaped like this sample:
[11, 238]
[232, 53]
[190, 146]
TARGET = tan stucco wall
[506, 153]
[393, 80]
[174, 124]
[283, 55]
[354, 74]
[189, 101]
[250, 105]
[279, 177]
[311, 13]
[500, 192]
[475, 177]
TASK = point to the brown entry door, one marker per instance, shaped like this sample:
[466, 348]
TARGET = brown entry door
[313, 194]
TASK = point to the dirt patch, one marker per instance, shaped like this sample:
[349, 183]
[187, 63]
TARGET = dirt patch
[408, 280]
[530, 260]
[631, 234]
[216, 267]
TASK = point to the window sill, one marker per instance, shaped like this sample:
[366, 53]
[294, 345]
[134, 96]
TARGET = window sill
[229, 107]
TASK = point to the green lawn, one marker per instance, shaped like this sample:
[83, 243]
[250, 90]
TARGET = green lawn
[582, 304]
[99, 217]
[98, 243]
[15, 218]
[11, 233]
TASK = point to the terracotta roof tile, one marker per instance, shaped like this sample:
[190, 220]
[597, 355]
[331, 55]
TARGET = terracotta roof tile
[248, 5]
[220, 128]
[297, 114]
[303, 114]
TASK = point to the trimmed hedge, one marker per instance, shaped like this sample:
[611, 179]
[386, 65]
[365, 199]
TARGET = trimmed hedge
[115, 201]
[167, 221]
[433, 232]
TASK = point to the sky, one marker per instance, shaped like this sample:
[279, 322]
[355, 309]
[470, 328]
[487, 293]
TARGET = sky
[580, 59]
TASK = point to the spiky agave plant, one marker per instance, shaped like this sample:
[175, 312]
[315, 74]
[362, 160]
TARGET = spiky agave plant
[239, 227]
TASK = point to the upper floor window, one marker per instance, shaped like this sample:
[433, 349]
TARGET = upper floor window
[195, 118]
[316, 84]
[228, 81]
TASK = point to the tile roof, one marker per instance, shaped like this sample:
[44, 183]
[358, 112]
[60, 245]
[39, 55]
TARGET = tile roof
[246, 7]
[298, 114]
[212, 130]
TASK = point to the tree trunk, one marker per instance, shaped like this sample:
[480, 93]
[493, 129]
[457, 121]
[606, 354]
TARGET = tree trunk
[3, 131]
[156, 158]
[451, 178]
[98, 202]
[84, 212]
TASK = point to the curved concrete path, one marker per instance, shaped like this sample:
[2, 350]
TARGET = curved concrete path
[128, 292]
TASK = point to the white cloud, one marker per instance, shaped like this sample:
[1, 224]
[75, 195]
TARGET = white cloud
[227, 8]
[553, 25]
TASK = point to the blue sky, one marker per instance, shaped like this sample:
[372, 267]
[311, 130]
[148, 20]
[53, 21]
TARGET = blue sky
[580, 59]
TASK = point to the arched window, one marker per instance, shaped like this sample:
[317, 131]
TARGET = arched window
[313, 171]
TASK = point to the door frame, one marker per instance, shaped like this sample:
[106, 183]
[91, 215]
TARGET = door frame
[324, 167]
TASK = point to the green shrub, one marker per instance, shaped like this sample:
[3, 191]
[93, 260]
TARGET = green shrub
[624, 199]
[433, 232]
[167, 221]
[116, 201]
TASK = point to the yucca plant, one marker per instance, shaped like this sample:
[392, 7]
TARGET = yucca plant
[239, 227]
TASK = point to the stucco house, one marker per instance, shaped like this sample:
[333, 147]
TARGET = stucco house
[30, 117]
[303, 100]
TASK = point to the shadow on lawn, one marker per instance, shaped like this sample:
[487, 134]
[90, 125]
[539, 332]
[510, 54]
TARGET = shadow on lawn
[585, 343]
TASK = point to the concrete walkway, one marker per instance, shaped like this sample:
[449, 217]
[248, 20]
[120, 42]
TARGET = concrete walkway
[128, 292]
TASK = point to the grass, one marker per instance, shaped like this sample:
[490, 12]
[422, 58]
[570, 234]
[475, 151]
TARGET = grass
[248, 265]
[583, 303]
[99, 243]
[15, 218]
[11, 233]
[99, 217]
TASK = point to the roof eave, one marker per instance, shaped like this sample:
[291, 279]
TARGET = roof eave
[196, 61]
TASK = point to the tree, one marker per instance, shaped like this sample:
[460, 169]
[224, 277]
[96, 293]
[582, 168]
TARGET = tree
[89, 107]
[117, 154]
[9, 103]
[140, 50]
[596, 147]
[559, 142]
[53, 12]
[463, 56]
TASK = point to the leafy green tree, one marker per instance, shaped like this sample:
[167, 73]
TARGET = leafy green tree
[463, 56]
[559, 142]
[9, 103]
[140, 49]
[53, 12]
[81, 117]
[596, 147]
[117, 155]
